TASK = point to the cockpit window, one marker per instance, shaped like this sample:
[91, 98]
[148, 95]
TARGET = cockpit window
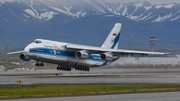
[37, 41]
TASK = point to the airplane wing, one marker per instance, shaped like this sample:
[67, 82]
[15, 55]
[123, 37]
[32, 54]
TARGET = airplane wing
[98, 50]
[18, 52]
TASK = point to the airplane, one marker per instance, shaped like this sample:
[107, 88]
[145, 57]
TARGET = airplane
[80, 57]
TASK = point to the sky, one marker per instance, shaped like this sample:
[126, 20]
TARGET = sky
[151, 1]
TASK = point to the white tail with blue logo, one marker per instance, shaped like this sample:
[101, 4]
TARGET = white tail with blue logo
[112, 40]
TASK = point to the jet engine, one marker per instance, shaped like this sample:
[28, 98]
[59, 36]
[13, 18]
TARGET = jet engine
[82, 55]
[106, 57]
[24, 57]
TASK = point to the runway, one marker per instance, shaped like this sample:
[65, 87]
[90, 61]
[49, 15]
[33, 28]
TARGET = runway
[163, 96]
[113, 75]
[99, 75]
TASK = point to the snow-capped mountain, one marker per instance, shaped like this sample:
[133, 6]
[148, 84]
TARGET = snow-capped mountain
[47, 9]
[81, 21]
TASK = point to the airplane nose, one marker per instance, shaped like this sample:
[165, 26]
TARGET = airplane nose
[26, 49]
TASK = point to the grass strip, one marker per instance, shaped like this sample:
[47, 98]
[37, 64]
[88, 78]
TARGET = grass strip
[81, 89]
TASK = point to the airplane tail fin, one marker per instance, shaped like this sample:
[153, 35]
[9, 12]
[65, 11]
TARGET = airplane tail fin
[112, 40]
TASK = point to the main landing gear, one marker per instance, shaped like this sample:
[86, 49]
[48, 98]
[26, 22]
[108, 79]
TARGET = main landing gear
[77, 67]
[63, 68]
[82, 68]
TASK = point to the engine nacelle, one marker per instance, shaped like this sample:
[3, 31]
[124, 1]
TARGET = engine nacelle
[106, 57]
[24, 57]
[82, 55]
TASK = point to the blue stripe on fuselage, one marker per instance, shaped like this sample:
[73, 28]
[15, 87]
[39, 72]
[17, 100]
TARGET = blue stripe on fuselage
[64, 53]
[104, 63]
[51, 52]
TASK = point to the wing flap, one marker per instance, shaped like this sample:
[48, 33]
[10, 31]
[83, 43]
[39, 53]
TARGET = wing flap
[98, 50]
[88, 48]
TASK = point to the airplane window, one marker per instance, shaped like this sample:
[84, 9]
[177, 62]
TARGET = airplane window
[37, 41]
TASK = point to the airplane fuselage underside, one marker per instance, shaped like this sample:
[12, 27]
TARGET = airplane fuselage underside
[64, 57]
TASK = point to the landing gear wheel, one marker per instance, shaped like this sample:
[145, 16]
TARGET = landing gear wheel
[58, 68]
[63, 68]
[81, 67]
[41, 64]
[37, 64]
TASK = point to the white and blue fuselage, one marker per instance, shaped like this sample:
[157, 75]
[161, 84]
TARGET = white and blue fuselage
[80, 57]
[57, 53]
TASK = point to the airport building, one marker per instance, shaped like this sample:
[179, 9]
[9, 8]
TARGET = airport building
[150, 61]
[152, 42]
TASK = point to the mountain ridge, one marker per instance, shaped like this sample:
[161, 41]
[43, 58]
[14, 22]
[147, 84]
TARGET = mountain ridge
[136, 11]
[22, 21]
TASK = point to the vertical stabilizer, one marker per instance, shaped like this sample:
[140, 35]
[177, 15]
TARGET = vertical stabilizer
[112, 40]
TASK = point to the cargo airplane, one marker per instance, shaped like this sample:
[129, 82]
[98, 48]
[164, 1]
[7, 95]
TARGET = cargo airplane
[80, 57]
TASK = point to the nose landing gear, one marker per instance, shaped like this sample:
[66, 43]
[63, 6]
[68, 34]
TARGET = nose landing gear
[39, 64]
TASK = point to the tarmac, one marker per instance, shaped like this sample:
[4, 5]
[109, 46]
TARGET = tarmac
[98, 75]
